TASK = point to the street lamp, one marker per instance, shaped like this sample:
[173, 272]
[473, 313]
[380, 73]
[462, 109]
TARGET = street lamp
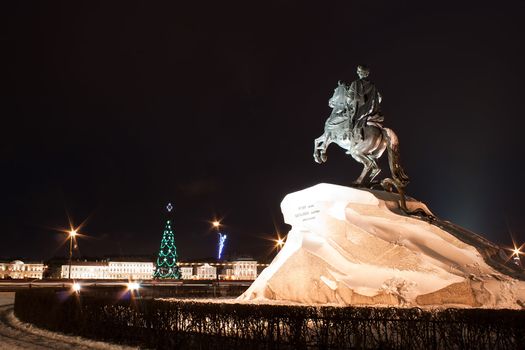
[516, 252]
[133, 286]
[72, 235]
[76, 287]
[279, 242]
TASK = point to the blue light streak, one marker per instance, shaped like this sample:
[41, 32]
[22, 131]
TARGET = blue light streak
[222, 241]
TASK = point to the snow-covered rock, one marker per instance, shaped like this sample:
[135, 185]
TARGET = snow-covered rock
[351, 246]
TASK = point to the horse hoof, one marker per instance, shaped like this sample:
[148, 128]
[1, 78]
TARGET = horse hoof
[374, 174]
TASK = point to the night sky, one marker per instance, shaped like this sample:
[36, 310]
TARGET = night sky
[111, 110]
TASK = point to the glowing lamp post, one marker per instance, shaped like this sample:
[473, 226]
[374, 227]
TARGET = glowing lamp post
[133, 286]
[72, 235]
[76, 287]
[279, 242]
[516, 255]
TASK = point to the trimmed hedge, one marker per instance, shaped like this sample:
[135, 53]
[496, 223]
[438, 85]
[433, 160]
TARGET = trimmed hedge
[188, 324]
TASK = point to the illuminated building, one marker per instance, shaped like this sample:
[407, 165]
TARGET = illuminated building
[18, 270]
[134, 270]
[238, 269]
[206, 272]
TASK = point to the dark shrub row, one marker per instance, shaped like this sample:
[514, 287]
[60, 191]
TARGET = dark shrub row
[189, 324]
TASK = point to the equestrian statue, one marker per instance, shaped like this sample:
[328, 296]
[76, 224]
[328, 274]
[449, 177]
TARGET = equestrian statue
[355, 124]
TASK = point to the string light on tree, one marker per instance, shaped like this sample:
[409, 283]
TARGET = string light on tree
[167, 258]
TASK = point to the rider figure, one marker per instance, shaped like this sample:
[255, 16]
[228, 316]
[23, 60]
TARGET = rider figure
[364, 106]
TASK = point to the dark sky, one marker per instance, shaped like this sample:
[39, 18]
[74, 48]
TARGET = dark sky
[110, 110]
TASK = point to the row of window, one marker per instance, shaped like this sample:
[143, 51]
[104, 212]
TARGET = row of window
[21, 268]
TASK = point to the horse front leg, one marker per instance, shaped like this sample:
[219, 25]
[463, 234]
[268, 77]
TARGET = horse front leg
[320, 145]
[374, 169]
[364, 174]
[367, 167]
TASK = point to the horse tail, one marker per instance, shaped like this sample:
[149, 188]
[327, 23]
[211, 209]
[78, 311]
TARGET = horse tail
[398, 173]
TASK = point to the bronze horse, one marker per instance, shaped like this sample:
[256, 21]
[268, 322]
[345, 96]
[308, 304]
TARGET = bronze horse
[364, 140]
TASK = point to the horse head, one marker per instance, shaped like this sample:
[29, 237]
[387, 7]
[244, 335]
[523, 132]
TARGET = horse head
[338, 100]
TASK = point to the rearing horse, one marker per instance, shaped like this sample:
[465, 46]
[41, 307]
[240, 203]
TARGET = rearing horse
[365, 143]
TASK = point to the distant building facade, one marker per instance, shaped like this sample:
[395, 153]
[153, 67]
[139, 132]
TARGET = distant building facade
[134, 270]
[19, 270]
[238, 269]
[85, 270]
[206, 272]
[244, 269]
[186, 272]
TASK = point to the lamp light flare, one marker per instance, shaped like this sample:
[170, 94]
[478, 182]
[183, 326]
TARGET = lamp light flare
[216, 224]
[76, 287]
[516, 251]
[133, 286]
[279, 242]
[73, 233]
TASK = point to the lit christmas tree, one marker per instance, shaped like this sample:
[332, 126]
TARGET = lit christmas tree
[167, 258]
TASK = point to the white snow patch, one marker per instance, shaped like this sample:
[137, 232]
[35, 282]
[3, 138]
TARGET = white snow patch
[15, 334]
[331, 284]
[54, 337]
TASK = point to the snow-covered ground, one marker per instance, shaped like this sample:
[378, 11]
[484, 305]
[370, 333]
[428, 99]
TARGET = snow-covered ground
[350, 246]
[17, 335]
[7, 298]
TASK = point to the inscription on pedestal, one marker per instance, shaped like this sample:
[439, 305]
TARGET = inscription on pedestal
[307, 212]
